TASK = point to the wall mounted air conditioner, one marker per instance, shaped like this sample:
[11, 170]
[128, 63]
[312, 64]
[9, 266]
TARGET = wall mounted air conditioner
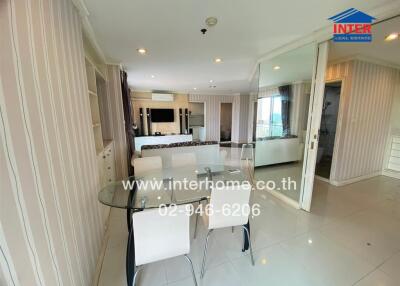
[162, 97]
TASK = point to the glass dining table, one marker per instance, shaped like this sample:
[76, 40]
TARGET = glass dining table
[164, 187]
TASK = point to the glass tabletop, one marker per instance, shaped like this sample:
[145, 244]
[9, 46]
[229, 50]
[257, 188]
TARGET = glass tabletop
[175, 185]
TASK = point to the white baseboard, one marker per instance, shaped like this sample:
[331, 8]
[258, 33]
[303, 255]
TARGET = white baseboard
[100, 258]
[323, 179]
[354, 180]
[390, 173]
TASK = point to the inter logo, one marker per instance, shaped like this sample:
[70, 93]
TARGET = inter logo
[352, 25]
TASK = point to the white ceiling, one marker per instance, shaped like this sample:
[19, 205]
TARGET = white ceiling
[181, 58]
[295, 66]
[378, 49]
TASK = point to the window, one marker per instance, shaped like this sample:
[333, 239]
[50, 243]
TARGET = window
[269, 117]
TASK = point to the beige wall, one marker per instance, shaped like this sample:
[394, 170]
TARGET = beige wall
[116, 120]
[50, 223]
[212, 105]
[364, 117]
[212, 114]
[394, 122]
[243, 118]
[143, 100]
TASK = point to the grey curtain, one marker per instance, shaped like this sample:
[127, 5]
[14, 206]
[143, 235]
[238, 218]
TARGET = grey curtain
[130, 135]
[286, 95]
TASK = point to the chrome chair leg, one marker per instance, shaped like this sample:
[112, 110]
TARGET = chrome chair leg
[135, 275]
[205, 254]
[250, 248]
[191, 267]
[197, 221]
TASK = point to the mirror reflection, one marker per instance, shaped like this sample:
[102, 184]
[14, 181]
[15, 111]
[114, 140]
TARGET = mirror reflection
[281, 122]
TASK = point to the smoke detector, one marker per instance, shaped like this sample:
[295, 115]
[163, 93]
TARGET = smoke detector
[211, 21]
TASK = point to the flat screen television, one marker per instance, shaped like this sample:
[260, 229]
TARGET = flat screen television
[162, 115]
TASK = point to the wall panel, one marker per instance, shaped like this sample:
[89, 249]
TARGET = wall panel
[364, 117]
[114, 98]
[212, 105]
[50, 223]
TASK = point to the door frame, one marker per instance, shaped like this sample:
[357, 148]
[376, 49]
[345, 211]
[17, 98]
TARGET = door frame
[338, 128]
[219, 120]
[313, 125]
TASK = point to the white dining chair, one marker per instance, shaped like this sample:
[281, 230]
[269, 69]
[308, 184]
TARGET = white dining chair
[160, 234]
[232, 197]
[183, 159]
[145, 164]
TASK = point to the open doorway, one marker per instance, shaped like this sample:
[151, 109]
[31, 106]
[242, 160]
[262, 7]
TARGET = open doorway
[226, 122]
[327, 131]
[255, 121]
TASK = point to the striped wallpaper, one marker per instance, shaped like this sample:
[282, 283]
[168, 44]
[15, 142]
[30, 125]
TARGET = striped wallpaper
[364, 117]
[117, 122]
[243, 118]
[212, 105]
[50, 226]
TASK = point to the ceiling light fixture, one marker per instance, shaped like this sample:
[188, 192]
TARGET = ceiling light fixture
[194, 88]
[392, 36]
[152, 76]
[218, 60]
[211, 81]
[142, 51]
[276, 67]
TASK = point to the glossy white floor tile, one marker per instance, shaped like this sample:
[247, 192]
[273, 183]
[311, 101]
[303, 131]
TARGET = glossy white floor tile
[274, 266]
[351, 237]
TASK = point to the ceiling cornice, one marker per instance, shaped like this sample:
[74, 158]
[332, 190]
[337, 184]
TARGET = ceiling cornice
[363, 58]
[88, 29]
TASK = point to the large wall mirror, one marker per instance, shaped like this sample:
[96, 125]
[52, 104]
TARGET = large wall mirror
[283, 99]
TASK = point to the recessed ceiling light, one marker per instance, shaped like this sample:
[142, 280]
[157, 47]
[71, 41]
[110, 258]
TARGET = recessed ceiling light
[310, 241]
[392, 36]
[152, 76]
[276, 67]
[142, 51]
[211, 81]
[211, 21]
[218, 60]
[194, 88]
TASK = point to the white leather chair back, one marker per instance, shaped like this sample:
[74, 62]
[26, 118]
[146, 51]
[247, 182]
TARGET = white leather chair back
[159, 237]
[143, 165]
[183, 159]
[235, 200]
